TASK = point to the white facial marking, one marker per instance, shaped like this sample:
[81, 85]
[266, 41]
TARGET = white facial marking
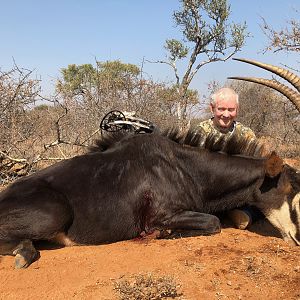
[281, 219]
[296, 205]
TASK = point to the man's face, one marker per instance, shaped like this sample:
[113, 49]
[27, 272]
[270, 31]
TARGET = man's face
[225, 112]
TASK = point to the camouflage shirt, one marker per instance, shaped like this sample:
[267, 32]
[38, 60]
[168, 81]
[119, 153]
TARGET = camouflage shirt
[207, 127]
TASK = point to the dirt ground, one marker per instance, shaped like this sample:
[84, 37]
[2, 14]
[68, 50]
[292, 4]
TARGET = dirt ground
[234, 264]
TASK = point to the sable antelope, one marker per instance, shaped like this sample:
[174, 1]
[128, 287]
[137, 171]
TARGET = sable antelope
[133, 184]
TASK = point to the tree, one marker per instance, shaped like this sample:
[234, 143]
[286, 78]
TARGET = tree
[117, 85]
[284, 39]
[207, 33]
[76, 79]
[85, 83]
[18, 92]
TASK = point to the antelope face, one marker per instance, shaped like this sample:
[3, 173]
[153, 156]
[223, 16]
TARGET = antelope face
[281, 203]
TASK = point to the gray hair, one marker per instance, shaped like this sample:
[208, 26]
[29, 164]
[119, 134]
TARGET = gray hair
[224, 93]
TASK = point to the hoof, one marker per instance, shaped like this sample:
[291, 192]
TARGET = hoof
[20, 262]
[25, 255]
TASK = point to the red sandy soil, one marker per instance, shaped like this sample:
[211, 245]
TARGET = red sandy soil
[234, 264]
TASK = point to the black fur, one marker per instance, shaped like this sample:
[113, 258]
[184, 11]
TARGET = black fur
[128, 184]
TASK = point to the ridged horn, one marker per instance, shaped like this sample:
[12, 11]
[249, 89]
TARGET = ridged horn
[292, 78]
[292, 95]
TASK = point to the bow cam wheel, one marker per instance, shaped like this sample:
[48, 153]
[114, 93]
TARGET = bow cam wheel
[108, 121]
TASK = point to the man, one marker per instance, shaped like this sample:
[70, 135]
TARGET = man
[224, 108]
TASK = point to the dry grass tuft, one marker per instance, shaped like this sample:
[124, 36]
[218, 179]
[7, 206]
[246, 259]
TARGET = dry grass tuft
[147, 286]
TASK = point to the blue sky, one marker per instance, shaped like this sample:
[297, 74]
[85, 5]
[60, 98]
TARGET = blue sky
[46, 36]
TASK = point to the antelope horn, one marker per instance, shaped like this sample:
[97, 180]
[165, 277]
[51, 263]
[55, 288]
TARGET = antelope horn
[293, 96]
[283, 73]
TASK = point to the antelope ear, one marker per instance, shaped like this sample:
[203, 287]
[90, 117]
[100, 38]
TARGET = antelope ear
[273, 165]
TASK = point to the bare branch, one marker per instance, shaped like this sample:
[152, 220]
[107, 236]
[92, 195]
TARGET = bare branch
[23, 160]
[284, 39]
